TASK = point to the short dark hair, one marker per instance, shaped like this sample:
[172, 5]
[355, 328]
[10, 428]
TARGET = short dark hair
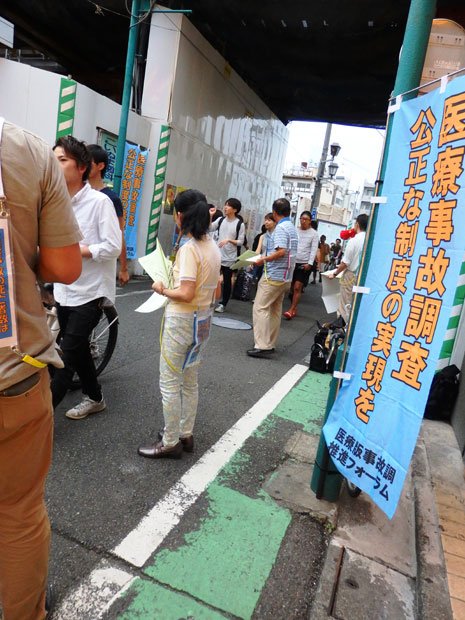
[77, 150]
[99, 156]
[282, 207]
[193, 207]
[234, 203]
[307, 213]
[362, 221]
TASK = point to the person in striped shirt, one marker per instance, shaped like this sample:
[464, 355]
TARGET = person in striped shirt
[275, 282]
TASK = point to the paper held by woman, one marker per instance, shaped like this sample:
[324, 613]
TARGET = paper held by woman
[159, 269]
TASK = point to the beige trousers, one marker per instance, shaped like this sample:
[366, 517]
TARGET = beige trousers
[26, 429]
[267, 310]
[348, 280]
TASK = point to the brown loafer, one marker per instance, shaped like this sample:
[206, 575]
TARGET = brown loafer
[159, 451]
[187, 442]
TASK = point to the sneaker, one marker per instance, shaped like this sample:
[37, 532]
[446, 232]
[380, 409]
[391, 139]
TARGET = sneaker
[219, 308]
[85, 407]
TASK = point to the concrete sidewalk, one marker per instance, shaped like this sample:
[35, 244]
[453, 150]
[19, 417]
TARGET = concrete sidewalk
[412, 566]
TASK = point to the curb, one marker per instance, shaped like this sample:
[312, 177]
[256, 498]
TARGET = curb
[430, 587]
[433, 598]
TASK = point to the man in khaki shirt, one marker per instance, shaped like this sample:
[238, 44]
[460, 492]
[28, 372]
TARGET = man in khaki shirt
[44, 240]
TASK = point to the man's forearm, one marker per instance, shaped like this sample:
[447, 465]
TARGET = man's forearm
[123, 261]
[340, 268]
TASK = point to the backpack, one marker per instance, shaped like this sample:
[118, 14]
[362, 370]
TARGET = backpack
[238, 230]
[326, 342]
[443, 394]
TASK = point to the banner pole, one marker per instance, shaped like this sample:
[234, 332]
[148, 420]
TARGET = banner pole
[326, 481]
[126, 99]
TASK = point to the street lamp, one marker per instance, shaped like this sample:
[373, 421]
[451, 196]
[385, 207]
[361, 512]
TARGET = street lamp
[332, 168]
[335, 148]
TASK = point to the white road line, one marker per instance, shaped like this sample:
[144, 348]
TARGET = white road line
[141, 543]
[97, 592]
[148, 292]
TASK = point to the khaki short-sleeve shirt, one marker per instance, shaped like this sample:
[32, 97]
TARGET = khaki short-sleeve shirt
[41, 215]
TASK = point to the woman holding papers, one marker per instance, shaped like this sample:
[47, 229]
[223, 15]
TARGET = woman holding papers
[265, 243]
[186, 326]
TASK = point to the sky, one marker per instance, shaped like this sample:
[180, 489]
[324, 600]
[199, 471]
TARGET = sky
[358, 158]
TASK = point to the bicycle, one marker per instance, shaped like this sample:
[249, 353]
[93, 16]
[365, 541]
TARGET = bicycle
[102, 340]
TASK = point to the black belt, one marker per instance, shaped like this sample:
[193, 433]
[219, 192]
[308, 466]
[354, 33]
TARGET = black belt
[22, 386]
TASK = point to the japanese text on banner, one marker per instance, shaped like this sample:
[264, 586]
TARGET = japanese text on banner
[373, 426]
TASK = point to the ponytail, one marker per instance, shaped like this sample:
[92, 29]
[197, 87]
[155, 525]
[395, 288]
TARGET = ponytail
[193, 207]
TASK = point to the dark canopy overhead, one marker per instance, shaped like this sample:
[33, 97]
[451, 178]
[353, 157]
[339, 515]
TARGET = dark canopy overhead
[329, 60]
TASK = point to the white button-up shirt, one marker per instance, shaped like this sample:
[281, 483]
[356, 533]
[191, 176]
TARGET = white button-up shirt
[101, 233]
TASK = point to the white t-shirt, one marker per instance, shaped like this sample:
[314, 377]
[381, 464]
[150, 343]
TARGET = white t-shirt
[307, 245]
[353, 252]
[228, 230]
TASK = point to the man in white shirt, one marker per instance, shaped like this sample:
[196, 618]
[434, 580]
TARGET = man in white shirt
[350, 265]
[307, 246]
[79, 304]
[230, 236]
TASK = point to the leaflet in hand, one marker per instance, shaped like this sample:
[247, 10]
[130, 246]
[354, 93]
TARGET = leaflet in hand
[159, 269]
[254, 259]
[157, 266]
[154, 302]
[331, 291]
[243, 260]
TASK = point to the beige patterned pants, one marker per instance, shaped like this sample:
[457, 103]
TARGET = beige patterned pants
[179, 387]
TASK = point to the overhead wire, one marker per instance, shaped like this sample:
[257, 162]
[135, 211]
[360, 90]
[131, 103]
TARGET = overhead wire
[99, 9]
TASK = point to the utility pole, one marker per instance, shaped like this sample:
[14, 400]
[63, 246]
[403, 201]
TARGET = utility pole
[123, 122]
[321, 168]
[136, 9]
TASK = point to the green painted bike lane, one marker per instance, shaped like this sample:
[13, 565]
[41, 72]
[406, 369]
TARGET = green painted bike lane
[223, 565]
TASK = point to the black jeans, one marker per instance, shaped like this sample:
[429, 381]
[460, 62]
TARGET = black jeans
[227, 278]
[76, 325]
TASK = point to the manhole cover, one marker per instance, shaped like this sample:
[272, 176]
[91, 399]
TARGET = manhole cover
[224, 321]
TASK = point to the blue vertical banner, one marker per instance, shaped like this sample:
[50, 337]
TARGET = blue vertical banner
[418, 248]
[135, 159]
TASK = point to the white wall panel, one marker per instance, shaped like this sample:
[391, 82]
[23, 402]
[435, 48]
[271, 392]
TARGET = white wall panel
[94, 110]
[29, 98]
[213, 111]
[161, 60]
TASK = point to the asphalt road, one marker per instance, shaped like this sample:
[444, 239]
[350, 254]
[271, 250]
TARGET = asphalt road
[99, 488]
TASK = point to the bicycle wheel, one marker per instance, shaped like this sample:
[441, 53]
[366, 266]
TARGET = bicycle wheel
[102, 341]
[353, 489]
